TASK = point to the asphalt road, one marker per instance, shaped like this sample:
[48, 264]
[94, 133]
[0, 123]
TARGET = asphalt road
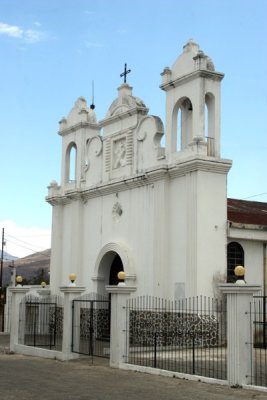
[27, 378]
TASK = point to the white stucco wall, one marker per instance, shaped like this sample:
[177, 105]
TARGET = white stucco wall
[174, 248]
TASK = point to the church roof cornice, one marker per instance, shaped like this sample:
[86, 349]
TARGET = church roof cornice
[149, 176]
[124, 115]
[218, 76]
[76, 127]
[119, 185]
[240, 225]
[200, 164]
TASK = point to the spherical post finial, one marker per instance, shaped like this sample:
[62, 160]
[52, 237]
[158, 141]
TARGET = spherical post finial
[19, 280]
[121, 276]
[72, 278]
[239, 273]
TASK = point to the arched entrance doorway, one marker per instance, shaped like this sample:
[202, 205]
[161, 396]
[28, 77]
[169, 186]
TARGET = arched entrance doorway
[112, 258]
[108, 268]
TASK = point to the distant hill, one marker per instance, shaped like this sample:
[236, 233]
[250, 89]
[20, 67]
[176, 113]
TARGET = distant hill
[7, 256]
[28, 267]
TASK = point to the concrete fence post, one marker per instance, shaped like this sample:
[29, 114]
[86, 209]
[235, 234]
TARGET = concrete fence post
[17, 294]
[70, 293]
[119, 328]
[239, 332]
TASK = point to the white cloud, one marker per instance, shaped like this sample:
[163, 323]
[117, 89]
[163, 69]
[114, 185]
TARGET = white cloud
[10, 30]
[22, 241]
[32, 36]
[28, 35]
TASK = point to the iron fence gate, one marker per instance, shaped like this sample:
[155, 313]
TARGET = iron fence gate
[258, 320]
[187, 336]
[41, 322]
[91, 326]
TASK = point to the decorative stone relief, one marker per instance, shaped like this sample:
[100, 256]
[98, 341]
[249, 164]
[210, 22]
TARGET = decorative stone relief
[119, 153]
[141, 135]
[93, 149]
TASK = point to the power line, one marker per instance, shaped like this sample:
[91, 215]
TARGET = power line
[255, 195]
[21, 243]
[27, 243]
[29, 248]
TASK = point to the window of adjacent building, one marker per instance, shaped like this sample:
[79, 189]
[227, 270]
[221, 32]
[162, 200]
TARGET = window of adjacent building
[235, 256]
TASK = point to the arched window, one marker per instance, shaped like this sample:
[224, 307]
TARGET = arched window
[71, 163]
[235, 256]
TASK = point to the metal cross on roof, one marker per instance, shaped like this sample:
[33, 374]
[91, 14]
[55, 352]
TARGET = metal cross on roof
[124, 74]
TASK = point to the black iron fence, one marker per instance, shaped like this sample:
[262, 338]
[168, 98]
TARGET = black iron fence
[2, 308]
[258, 318]
[41, 322]
[187, 336]
[91, 325]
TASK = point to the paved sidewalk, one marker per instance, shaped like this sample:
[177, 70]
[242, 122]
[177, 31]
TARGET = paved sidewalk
[27, 378]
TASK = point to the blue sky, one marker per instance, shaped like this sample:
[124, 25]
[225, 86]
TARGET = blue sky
[51, 50]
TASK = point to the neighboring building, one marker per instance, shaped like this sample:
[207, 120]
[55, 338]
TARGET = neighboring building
[127, 203]
[247, 238]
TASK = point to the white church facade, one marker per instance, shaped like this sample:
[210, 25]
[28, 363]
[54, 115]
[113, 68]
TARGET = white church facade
[126, 202]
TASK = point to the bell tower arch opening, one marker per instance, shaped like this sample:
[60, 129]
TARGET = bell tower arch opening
[182, 123]
[210, 124]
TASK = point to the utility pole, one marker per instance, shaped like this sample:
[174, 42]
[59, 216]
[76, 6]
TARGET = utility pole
[2, 258]
[1, 282]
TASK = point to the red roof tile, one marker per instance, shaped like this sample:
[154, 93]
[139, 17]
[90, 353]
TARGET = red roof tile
[247, 212]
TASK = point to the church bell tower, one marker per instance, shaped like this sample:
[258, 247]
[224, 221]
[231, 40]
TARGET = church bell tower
[192, 104]
[197, 171]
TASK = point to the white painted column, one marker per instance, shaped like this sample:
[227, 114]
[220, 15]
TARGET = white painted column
[239, 332]
[119, 328]
[56, 247]
[18, 294]
[70, 293]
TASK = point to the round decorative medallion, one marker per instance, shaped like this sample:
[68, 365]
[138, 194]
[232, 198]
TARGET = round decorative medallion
[95, 146]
